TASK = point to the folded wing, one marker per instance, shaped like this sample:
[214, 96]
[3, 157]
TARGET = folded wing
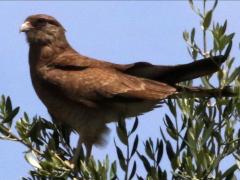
[103, 84]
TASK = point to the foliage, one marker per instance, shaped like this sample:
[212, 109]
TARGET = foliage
[199, 133]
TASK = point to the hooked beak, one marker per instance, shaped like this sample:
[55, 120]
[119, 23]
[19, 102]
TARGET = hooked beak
[26, 26]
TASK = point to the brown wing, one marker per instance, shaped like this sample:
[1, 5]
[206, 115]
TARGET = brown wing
[167, 74]
[74, 61]
[95, 84]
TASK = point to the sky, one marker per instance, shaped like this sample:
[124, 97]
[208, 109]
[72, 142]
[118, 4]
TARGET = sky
[118, 31]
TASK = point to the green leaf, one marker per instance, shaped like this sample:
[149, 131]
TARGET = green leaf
[206, 134]
[194, 53]
[215, 5]
[230, 171]
[159, 151]
[233, 76]
[133, 170]
[122, 132]
[172, 107]
[230, 38]
[171, 154]
[149, 150]
[113, 171]
[165, 140]
[4, 130]
[192, 35]
[228, 109]
[122, 125]
[121, 158]
[162, 175]
[224, 27]
[185, 35]
[206, 83]
[139, 177]
[184, 140]
[169, 123]
[145, 162]
[25, 115]
[135, 125]
[8, 105]
[31, 158]
[122, 136]
[10, 116]
[207, 19]
[170, 127]
[229, 63]
[135, 145]
[191, 4]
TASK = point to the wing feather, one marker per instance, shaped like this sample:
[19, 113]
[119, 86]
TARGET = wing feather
[95, 84]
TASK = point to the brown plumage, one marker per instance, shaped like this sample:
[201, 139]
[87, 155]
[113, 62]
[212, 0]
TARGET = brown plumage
[84, 94]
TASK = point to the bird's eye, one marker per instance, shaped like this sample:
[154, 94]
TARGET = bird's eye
[40, 23]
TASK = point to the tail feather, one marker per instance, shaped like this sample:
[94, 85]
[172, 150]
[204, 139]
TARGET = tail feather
[178, 73]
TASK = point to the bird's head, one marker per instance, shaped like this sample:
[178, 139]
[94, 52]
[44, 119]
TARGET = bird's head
[42, 29]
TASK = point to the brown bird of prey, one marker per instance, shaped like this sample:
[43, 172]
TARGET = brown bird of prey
[84, 94]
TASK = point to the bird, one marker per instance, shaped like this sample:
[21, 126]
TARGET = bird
[83, 94]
